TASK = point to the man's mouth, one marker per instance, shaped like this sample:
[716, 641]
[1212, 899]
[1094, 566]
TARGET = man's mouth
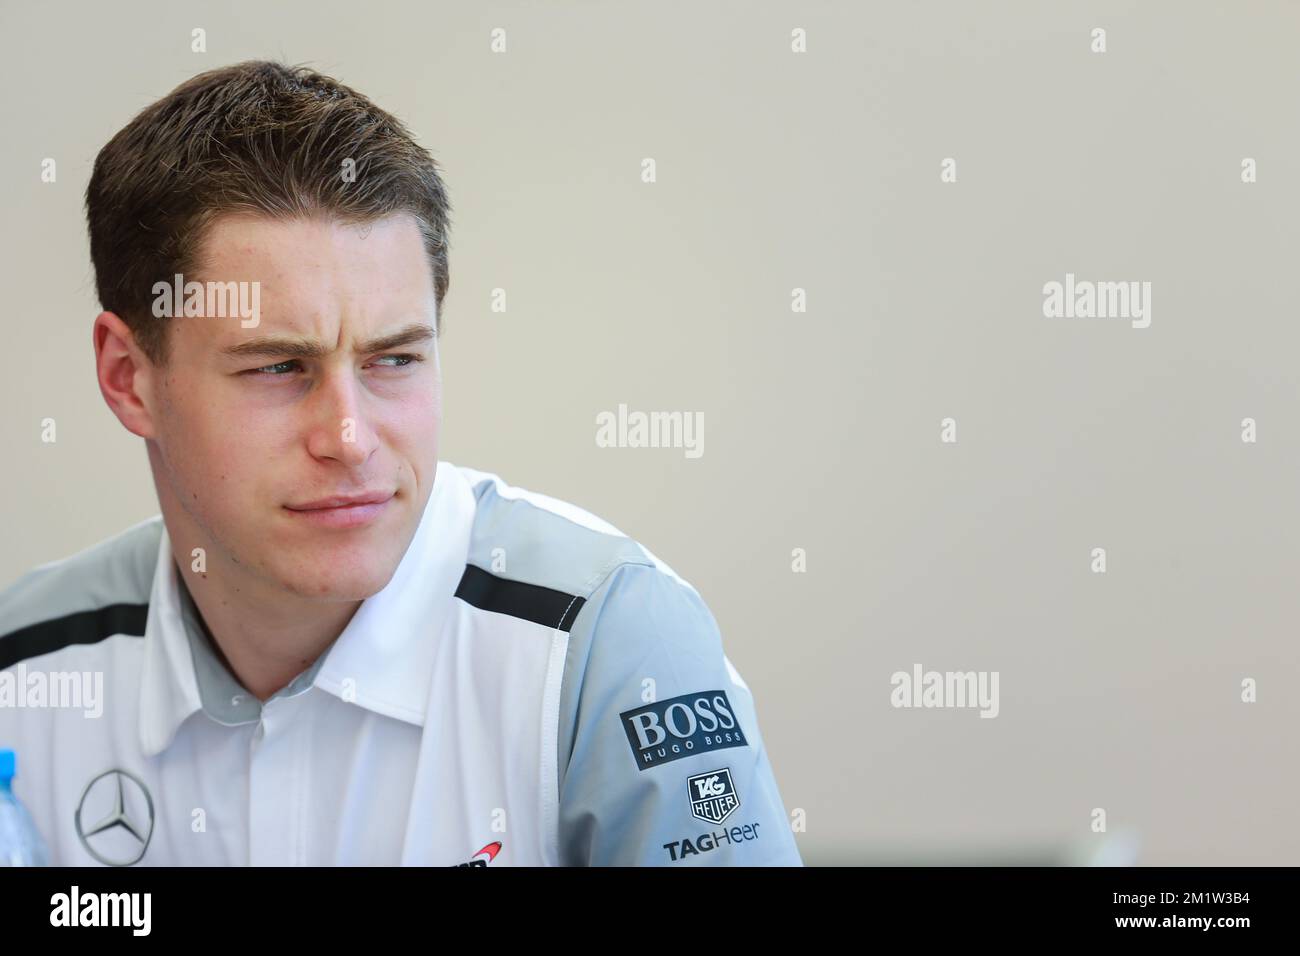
[343, 511]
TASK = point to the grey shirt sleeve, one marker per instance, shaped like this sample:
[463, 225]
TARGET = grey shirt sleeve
[661, 758]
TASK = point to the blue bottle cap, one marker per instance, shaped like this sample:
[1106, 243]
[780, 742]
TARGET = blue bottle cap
[8, 764]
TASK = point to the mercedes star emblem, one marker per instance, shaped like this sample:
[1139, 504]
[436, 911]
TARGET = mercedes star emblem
[125, 814]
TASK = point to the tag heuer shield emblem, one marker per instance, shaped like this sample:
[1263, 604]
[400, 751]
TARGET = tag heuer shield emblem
[713, 795]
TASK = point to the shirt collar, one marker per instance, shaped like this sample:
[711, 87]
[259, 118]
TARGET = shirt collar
[382, 661]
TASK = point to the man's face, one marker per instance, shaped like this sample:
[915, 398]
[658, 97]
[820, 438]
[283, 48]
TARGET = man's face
[258, 428]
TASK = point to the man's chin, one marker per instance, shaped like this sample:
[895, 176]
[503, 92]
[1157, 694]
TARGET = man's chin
[346, 580]
[341, 564]
[335, 589]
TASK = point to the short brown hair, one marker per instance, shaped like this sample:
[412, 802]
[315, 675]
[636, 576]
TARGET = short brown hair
[255, 137]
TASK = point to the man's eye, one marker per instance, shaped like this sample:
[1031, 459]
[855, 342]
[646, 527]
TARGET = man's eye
[401, 361]
[282, 367]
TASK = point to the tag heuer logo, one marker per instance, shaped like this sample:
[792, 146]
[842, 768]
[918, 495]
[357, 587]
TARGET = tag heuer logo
[713, 795]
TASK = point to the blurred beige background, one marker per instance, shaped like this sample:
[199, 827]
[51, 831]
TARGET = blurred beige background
[821, 170]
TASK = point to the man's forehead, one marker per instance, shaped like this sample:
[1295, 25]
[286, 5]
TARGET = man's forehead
[320, 280]
[301, 257]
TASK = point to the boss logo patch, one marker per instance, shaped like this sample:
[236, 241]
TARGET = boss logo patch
[713, 795]
[668, 730]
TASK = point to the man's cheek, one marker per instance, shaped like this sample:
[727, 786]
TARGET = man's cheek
[228, 471]
[419, 434]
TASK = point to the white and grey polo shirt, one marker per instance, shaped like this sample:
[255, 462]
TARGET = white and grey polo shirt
[532, 687]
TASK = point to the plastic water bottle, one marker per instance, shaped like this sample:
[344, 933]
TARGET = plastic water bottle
[20, 843]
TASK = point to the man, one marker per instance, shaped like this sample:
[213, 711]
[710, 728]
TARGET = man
[330, 647]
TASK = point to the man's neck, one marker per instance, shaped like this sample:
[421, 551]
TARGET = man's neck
[265, 640]
[265, 635]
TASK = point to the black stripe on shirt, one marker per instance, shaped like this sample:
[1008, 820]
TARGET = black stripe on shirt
[531, 602]
[83, 627]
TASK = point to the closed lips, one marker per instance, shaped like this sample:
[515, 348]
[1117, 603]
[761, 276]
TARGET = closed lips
[343, 501]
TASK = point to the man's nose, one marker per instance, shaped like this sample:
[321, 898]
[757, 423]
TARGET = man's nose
[340, 427]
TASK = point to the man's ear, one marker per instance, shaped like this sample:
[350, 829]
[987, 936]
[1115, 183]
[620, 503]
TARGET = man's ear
[126, 376]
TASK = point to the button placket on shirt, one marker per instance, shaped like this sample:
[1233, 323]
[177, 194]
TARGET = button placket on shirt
[277, 785]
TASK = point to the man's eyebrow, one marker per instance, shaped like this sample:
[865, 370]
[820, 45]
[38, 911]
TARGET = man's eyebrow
[407, 336]
[309, 349]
